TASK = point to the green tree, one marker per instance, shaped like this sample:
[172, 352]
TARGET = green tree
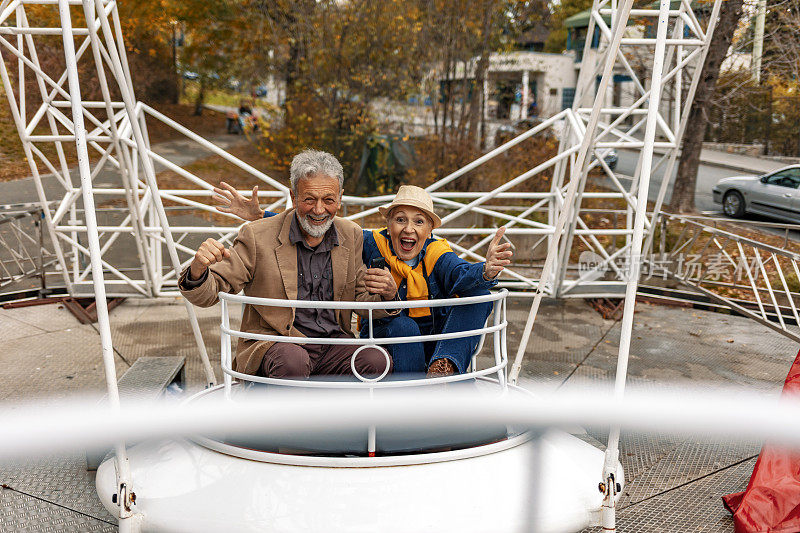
[336, 59]
[561, 11]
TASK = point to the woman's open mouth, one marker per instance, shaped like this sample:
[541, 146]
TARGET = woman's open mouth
[407, 245]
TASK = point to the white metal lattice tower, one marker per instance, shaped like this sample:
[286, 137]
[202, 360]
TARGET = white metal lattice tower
[110, 132]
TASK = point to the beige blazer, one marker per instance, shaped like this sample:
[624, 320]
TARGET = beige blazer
[263, 263]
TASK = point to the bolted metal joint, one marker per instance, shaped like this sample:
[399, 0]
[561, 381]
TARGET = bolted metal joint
[125, 499]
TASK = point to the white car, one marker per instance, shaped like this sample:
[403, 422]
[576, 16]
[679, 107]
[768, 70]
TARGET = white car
[775, 194]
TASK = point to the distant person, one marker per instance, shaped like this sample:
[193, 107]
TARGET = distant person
[247, 120]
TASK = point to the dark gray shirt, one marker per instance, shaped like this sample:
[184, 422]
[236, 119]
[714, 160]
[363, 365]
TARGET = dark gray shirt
[314, 282]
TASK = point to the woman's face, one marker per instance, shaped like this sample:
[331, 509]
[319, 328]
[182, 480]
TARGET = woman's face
[409, 228]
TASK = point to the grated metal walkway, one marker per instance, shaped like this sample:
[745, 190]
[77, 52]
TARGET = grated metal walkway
[673, 485]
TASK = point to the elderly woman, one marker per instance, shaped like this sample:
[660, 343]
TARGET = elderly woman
[425, 268]
[422, 268]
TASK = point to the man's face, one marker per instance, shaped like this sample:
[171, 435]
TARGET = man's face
[317, 200]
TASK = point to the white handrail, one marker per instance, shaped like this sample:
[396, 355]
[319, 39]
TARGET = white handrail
[392, 304]
[497, 329]
[686, 409]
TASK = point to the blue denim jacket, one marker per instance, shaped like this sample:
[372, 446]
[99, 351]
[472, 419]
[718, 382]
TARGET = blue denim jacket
[451, 276]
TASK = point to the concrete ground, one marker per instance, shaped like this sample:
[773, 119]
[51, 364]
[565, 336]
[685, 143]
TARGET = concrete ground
[673, 484]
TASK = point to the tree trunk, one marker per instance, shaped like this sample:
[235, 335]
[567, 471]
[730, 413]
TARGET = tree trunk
[476, 104]
[686, 179]
[293, 74]
[476, 110]
[201, 96]
[175, 73]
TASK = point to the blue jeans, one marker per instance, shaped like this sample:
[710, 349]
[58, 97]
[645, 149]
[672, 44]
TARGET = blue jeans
[415, 357]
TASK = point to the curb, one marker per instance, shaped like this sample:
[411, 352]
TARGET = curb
[729, 166]
[732, 167]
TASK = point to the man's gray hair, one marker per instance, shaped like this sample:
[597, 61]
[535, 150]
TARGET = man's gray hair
[311, 162]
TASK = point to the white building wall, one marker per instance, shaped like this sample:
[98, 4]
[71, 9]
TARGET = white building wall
[552, 73]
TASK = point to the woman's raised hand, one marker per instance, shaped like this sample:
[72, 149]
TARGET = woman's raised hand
[380, 281]
[236, 204]
[497, 256]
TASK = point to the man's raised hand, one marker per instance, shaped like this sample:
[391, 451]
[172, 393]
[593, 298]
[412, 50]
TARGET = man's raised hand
[497, 256]
[236, 204]
[210, 252]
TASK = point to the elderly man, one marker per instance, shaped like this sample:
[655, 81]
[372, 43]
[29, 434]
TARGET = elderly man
[306, 253]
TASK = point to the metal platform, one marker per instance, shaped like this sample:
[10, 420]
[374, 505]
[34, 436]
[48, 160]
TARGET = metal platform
[674, 485]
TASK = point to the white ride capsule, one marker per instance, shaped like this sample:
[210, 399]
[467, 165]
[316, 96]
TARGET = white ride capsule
[450, 478]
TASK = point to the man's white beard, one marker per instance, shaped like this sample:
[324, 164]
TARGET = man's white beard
[314, 230]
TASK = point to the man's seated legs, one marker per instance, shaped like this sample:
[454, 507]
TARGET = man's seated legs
[334, 359]
[286, 360]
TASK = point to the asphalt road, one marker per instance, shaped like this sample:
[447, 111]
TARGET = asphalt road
[707, 177]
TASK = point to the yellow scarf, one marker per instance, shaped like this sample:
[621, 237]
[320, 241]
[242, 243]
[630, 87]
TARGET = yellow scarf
[416, 284]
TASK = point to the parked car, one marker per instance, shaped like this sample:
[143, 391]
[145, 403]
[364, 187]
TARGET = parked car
[610, 158]
[774, 194]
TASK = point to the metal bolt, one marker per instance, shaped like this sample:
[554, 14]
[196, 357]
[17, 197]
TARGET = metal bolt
[601, 487]
[133, 495]
[113, 498]
[619, 487]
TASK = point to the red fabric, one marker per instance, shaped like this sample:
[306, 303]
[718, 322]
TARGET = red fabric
[771, 502]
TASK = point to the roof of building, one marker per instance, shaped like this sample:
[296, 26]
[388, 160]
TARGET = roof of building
[581, 20]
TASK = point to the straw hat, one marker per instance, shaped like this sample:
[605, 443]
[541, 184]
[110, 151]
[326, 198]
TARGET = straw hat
[413, 196]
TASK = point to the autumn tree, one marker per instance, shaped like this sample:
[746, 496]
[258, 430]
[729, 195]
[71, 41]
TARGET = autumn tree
[147, 29]
[686, 179]
[340, 58]
[336, 59]
[464, 34]
[561, 11]
[213, 43]
[781, 57]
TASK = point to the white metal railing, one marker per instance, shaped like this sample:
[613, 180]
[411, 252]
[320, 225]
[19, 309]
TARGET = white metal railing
[697, 412]
[755, 279]
[497, 329]
[23, 253]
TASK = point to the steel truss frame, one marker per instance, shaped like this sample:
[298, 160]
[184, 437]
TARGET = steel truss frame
[113, 130]
[754, 279]
[22, 249]
[112, 139]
